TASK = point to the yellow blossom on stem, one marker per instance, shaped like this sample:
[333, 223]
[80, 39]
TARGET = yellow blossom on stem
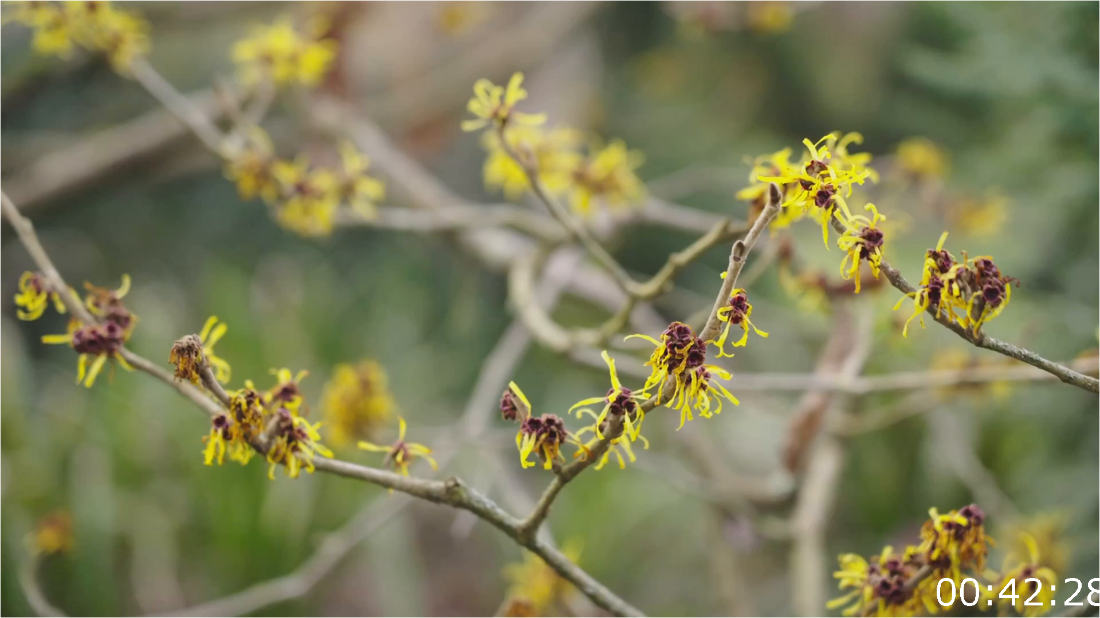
[309, 197]
[736, 312]
[401, 453]
[107, 304]
[878, 587]
[235, 431]
[542, 435]
[34, 295]
[1030, 582]
[618, 447]
[862, 241]
[991, 293]
[96, 26]
[680, 356]
[495, 105]
[283, 55]
[607, 174]
[822, 181]
[939, 287]
[956, 541]
[354, 187]
[191, 352]
[95, 342]
[619, 403]
[357, 401]
[286, 392]
[251, 167]
[296, 442]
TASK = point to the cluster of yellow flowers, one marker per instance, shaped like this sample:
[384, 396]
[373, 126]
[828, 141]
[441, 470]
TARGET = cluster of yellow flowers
[357, 401]
[519, 147]
[680, 379]
[96, 343]
[975, 288]
[905, 584]
[283, 55]
[52, 534]
[304, 196]
[94, 25]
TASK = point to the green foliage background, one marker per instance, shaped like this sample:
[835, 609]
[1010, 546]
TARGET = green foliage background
[1009, 90]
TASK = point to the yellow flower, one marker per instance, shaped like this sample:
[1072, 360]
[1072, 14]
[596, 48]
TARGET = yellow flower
[537, 586]
[98, 342]
[552, 153]
[251, 167]
[238, 429]
[939, 287]
[495, 105]
[992, 291]
[863, 242]
[286, 393]
[619, 403]
[295, 445]
[617, 447]
[400, 454]
[356, 189]
[681, 356]
[357, 401]
[34, 295]
[96, 26]
[770, 16]
[543, 435]
[736, 312]
[309, 197]
[878, 587]
[107, 304]
[979, 217]
[1045, 534]
[1023, 577]
[191, 352]
[921, 157]
[53, 534]
[283, 55]
[607, 175]
[955, 541]
[818, 184]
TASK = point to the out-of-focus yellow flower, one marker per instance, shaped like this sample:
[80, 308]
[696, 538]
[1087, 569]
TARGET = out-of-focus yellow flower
[400, 454]
[960, 360]
[878, 587]
[97, 26]
[283, 55]
[608, 176]
[956, 541]
[357, 402]
[862, 241]
[251, 167]
[770, 165]
[53, 534]
[355, 188]
[495, 105]
[921, 157]
[1033, 599]
[680, 356]
[736, 312]
[295, 445]
[34, 295]
[98, 342]
[533, 584]
[107, 304]
[309, 197]
[552, 152]
[286, 392]
[979, 217]
[769, 17]
[1047, 532]
[458, 18]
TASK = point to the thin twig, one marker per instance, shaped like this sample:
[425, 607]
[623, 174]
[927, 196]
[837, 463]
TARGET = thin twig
[28, 580]
[184, 108]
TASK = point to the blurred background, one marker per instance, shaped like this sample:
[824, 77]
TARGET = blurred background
[1004, 95]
